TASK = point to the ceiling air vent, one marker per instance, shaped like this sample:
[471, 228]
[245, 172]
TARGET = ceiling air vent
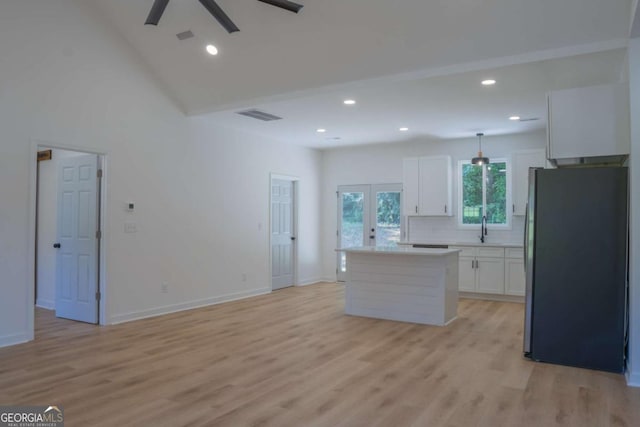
[259, 115]
[184, 35]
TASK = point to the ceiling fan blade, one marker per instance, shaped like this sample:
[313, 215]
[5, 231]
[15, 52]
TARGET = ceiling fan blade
[285, 4]
[156, 12]
[219, 14]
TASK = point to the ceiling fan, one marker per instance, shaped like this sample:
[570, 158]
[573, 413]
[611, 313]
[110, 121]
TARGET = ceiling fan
[159, 5]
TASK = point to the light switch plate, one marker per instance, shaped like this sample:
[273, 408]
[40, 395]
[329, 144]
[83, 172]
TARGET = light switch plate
[130, 227]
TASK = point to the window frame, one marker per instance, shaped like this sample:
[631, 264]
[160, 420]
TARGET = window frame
[509, 224]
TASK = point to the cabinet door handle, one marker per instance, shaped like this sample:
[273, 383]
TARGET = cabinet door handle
[416, 208]
[473, 264]
[514, 208]
[445, 208]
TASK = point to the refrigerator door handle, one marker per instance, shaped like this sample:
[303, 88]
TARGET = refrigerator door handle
[526, 234]
[529, 235]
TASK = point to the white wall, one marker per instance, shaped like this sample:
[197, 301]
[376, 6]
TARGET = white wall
[633, 368]
[376, 164]
[67, 78]
[47, 227]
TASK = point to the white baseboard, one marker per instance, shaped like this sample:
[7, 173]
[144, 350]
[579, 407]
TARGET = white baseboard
[173, 308]
[633, 378]
[313, 281]
[8, 340]
[46, 304]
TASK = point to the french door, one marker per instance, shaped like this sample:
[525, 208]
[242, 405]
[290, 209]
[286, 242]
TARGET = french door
[368, 215]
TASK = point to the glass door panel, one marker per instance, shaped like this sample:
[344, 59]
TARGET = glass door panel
[387, 214]
[353, 221]
[352, 230]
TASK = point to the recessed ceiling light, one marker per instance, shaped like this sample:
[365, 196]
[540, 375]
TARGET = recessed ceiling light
[404, 129]
[212, 50]
[321, 130]
[349, 102]
[488, 82]
[514, 118]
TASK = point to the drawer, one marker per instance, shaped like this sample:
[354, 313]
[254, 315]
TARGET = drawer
[514, 253]
[491, 252]
[469, 251]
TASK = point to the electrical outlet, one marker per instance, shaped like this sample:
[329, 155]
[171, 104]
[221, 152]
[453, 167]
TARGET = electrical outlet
[164, 287]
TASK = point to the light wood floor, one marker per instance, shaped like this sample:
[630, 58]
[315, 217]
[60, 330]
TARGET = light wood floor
[293, 358]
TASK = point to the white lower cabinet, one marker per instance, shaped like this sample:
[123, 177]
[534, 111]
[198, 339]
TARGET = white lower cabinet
[514, 272]
[490, 275]
[467, 274]
[481, 270]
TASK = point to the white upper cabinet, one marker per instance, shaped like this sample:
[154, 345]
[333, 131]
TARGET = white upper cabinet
[410, 186]
[435, 186]
[588, 122]
[522, 161]
[427, 186]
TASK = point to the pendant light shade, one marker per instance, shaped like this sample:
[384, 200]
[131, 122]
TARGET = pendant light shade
[480, 160]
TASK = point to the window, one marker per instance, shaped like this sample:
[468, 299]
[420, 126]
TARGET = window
[484, 191]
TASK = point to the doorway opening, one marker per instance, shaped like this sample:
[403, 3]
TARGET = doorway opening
[283, 231]
[368, 215]
[68, 237]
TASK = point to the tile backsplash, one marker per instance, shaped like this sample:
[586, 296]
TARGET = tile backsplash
[445, 229]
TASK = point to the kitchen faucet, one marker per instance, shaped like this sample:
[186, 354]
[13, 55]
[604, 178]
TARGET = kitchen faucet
[483, 228]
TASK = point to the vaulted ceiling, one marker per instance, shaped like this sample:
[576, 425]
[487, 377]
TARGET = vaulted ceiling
[394, 53]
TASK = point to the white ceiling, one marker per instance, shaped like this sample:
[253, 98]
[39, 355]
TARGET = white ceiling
[301, 66]
[453, 106]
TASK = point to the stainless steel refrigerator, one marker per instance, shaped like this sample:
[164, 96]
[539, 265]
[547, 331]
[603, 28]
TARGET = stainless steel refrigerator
[576, 267]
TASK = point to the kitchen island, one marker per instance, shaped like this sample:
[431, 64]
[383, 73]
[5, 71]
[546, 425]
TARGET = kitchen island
[402, 283]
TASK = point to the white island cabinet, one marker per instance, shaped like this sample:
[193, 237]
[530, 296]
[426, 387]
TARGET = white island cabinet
[400, 283]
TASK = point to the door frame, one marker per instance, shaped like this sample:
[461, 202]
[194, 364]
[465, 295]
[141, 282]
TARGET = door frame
[294, 225]
[37, 145]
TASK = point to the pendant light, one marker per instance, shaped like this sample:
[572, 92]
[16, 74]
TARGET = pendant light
[480, 160]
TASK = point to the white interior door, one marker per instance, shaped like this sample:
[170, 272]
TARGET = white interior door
[368, 215]
[77, 243]
[282, 237]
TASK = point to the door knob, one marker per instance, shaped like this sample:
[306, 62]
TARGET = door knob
[293, 238]
[56, 245]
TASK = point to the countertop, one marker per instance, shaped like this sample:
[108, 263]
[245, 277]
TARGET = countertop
[489, 244]
[399, 250]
